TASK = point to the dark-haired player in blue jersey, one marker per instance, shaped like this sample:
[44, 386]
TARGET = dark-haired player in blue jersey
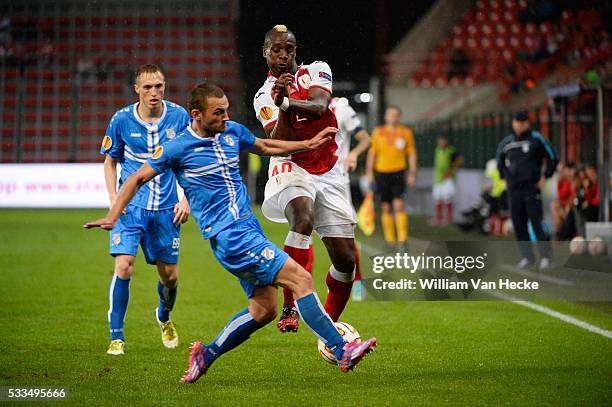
[153, 217]
[204, 159]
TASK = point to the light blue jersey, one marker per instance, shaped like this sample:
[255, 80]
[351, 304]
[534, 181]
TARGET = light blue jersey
[132, 140]
[207, 169]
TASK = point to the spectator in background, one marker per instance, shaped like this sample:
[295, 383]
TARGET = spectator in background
[590, 206]
[446, 161]
[561, 206]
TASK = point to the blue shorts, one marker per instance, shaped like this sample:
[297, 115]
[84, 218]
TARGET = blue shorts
[244, 251]
[158, 236]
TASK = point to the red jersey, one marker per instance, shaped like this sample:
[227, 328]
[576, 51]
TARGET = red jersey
[317, 74]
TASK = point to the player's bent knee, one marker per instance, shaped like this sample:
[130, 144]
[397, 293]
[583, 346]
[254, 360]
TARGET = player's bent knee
[302, 283]
[168, 274]
[263, 314]
[124, 266]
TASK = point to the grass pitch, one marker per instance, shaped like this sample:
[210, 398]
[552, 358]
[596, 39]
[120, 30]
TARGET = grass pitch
[54, 298]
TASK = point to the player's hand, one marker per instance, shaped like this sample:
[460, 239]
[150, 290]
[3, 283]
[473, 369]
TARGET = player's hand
[370, 178]
[282, 88]
[321, 138]
[541, 182]
[104, 223]
[181, 212]
[350, 163]
[411, 179]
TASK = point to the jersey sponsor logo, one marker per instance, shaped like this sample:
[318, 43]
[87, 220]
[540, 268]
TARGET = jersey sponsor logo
[135, 135]
[170, 133]
[107, 143]
[116, 238]
[197, 149]
[267, 253]
[158, 152]
[229, 140]
[266, 112]
[325, 75]
[304, 81]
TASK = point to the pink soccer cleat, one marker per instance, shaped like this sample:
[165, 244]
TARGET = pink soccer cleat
[353, 353]
[197, 367]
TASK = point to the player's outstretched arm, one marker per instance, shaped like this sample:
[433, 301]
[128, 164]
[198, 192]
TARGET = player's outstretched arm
[127, 191]
[282, 147]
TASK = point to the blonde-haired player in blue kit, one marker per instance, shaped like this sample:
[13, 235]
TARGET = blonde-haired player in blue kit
[204, 159]
[153, 217]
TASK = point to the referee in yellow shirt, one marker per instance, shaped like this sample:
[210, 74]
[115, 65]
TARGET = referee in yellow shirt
[391, 164]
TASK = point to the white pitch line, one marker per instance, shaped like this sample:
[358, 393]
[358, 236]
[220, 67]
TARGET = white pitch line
[551, 312]
[537, 276]
[540, 308]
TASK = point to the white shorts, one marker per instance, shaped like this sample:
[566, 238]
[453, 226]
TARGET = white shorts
[334, 215]
[444, 191]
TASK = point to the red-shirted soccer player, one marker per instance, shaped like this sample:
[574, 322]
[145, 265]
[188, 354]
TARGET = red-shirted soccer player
[306, 189]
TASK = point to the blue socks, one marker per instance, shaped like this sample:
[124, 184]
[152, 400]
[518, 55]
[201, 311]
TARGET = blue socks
[320, 323]
[118, 297]
[167, 296]
[237, 330]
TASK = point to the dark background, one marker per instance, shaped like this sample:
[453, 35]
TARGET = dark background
[351, 36]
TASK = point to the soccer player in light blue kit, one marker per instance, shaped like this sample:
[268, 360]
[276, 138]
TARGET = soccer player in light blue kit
[153, 216]
[204, 159]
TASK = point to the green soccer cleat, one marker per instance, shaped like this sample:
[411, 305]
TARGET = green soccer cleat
[169, 335]
[116, 347]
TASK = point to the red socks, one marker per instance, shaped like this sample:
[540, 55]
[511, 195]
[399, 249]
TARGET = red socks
[298, 247]
[339, 285]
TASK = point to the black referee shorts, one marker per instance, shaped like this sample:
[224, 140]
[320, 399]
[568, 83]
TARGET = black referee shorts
[390, 185]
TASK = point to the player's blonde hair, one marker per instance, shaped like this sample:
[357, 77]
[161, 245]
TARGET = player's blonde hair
[277, 29]
[147, 69]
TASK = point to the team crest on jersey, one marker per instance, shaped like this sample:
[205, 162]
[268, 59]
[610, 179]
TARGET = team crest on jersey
[107, 143]
[229, 140]
[266, 112]
[158, 152]
[116, 238]
[525, 147]
[170, 133]
[267, 253]
[400, 143]
[304, 81]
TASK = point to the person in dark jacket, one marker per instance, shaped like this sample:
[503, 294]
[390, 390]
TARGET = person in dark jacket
[520, 158]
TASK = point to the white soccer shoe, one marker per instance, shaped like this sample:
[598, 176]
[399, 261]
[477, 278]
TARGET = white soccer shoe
[545, 264]
[169, 336]
[116, 347]
[524, 264]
